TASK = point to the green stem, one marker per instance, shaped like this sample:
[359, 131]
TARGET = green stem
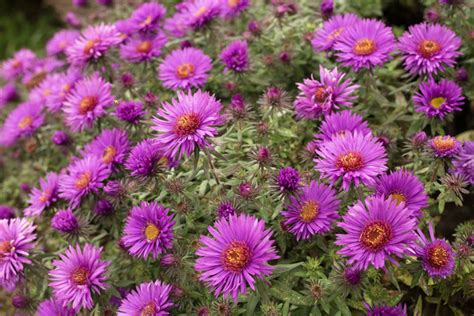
[211, 165]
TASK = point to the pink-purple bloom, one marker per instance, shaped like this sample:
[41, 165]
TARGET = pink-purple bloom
[42, 197]
[17, 66]
[111, 146]
[52, 307]
[463, 162]
[236, 255]
[187, 122]
[444, 146]
[331, 92]
[23, 121]
[429, 48]
[150, 298]
[200, 13]
[141, 49]
[130, 111]
[385, 310]
[340, 124]
[65, 221]
[366, 44]
[325, 37]
[235, 56]
[60, 41]
[438, 99]
[77, 275]
[288, 180]
[148, 230]
[311, 212]
[356, 158]
[185, 68]
[233, 8]
[145, 159]
[8, 93]
[376, 230]
[147, 17]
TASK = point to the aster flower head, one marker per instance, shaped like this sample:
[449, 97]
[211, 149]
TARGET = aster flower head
[366, 44]
[355, 157]
[60, 138]
[16, 240]
[463, 162]
[87, 102]
[288, 180]
[17, 66]
[6, 212]
[177, 25]
[130, 111]
[103, 207]
[93, 44]
[147, 17]
[275, 98]
[56, 88]
[23, 121]
[60, 41]
[444, 146]
[79, 273]
[83, 177]
[143, 48]
[322, 97]
[225, 209]
[111, 146]
[403, 187]
[438, 99]
[385, 310]
[150, 298]
[187, 122]
[185, 68]
[146, 159]
[52, 307]
[341, 124]
[8, 93]
[237, 253]
[325, 37]
[232, 8]
[311, 212]
[148, 230]
[235, 56]
[42, 197]
[419, 139]
[72, 20]
[437, 256]
[375, 231]
[200, 13]
[429, 48]
[65, 221]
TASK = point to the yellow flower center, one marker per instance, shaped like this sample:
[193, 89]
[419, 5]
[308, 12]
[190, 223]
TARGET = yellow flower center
[187, 124]
[147, 21]
[309, 211]
[80, 276]
[375, 235]
[364, 47]
[236, 256]
[83, 180]
[87, 104]
[5, 247]
[320, 94]
[233, 3]
[444, 143]
[201, 11]
[152, 232]
[144, 47]
[25, 122]
[90, 45]
[149, 309]
[335, 34]
[44, 197]
[109, 154]
[185, 70]
[437, 102]
[438, 256]
[398, 197]
[350, 162]
[428, 48]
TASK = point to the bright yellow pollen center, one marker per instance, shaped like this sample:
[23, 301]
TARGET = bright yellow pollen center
[335, 34]
[109, 154]
[147, 21]
[350, 162]
[233, 3]
[236, 256]
[144, 47]
[83, 180]
[44, 196]
[375, 235]
[398, 197]
[90, 45]
[149, 309]
[151, 232]
[364, 47]
[185, 70]
[80, 276]
[309, 211]
[87, 104]
[428, 48]
[438, 256]
[25, 122]
[201, 11]
[444, 143]
[437, 102]
[187, 124]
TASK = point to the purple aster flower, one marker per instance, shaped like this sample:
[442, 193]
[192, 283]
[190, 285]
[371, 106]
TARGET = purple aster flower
[21, 61]
[52, 307]
[60, 41]
[322, 97]
[130, 111]
[437, 256]
[352, 275]
[145, 159]
[429, 48]
[148, 229]
[114, 188]
[140, 49]
[87, 102]
[177, 25]
[384, 310]
[16, 240]
[83, 177]
[403, 187]
[187, 122]
[20, 301]
[103, 207]
[236, 255]
[288, 180]
[444, 146]
[56, 88]
[43, 90]
[93, 44]
[463, 162]
[311, 212]
[65, 221]
[365, 44]
[327, 8]
[127, 79]
[185, 68]
[225, 209]
[461, 75]
[111, 146]
[150, 298]
[419, 139]
[438, 99]
[8, 93]
[23, 121]
[356, 157]
[325, 37]
[60, 138]
[146, 18]
[340, 124]
[71, 19]
[199, 13]
[376, 230]
[43, 197]
[235, 56]
[40, 70]
[77, 275]
[6, 212]
[432, 15]
[233, 8]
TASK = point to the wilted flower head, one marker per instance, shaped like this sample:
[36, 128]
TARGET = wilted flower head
[385, 310]
[419, 139]
[275, 97]
[103, 207]
[327, 8]
[225, 209]
[235, 56]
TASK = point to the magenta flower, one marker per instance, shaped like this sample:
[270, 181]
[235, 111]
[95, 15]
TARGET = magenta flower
[43, 197]
[438, 99]
[130, 111]
[463, 162]
[233, 8]
[16, 240]
[357, 158]
[17, 66]
[93, 44]
[325, 37]
[52, 307]
[150, 298]
[146, 159]
[236, 255]
[77, 275]
[429, 48]
[83, 177]
[376, 230]
[60, 41]
[56, 90]
[341, 124]
[311, 212]
[140, 49]
[185, 68]
[23, 121]
[65, 221]
[235, 56]
[148, 230]
[437, 256]
[385, 310]
[288, 180]
[88, 101]
[444, 146]
[199, 13]
[187, 122]
[366, 44]
[147, 17]
[322, 97]
[177, 25]
[111, 146]
[8, 93]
